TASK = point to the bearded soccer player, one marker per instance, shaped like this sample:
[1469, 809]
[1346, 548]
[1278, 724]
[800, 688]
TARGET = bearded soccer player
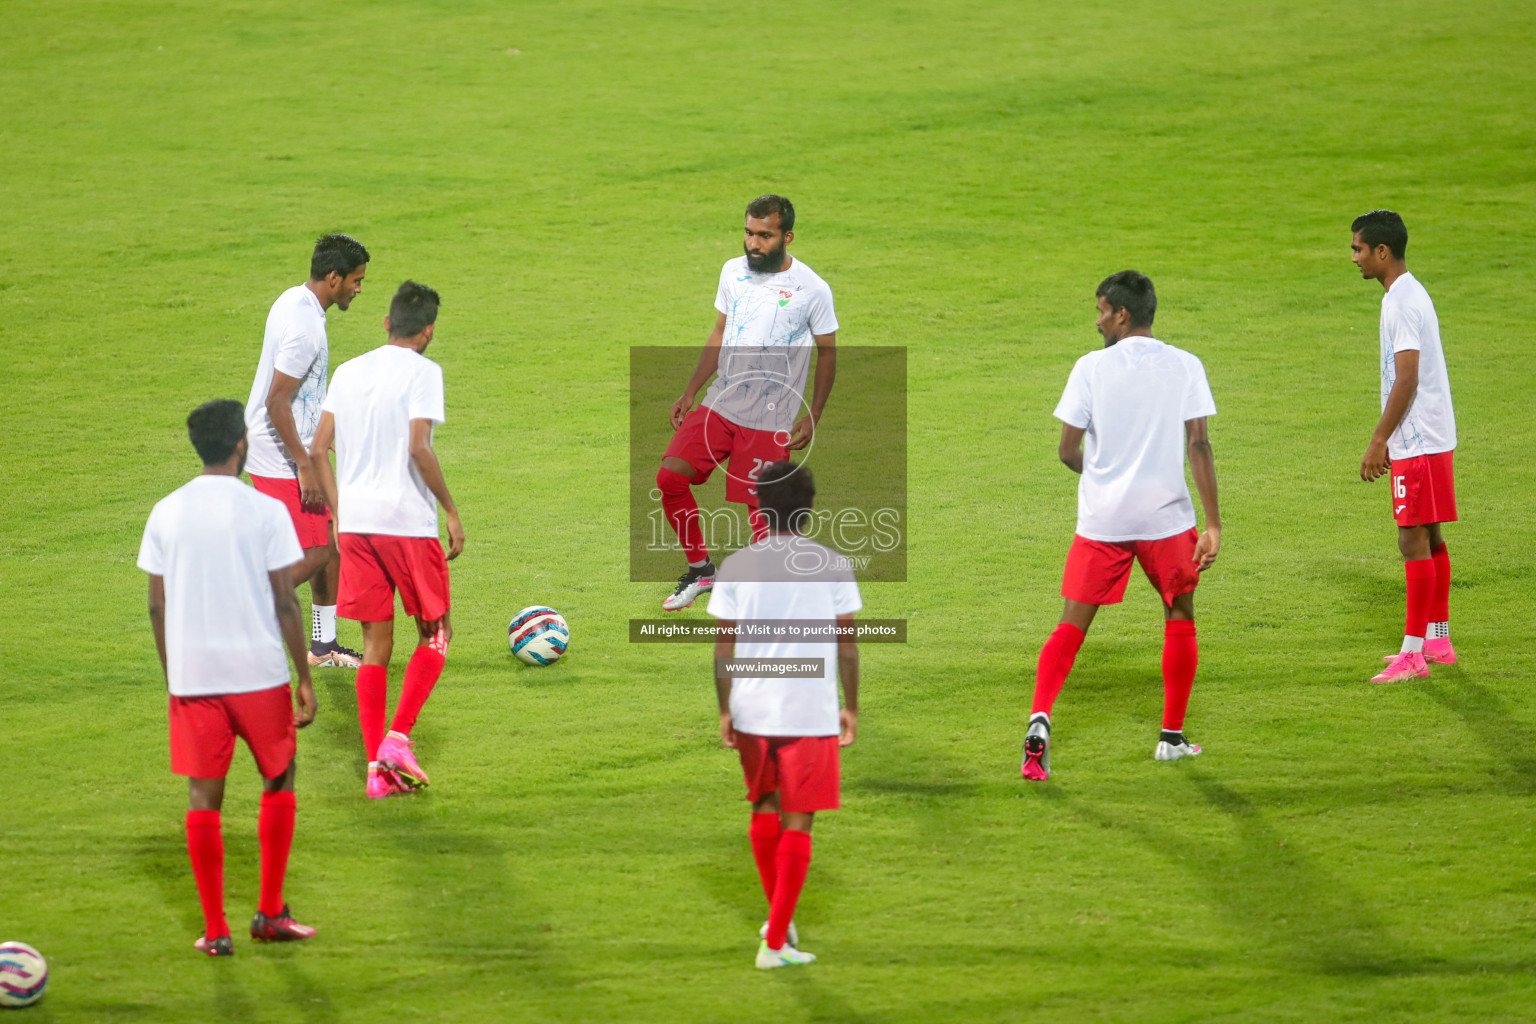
[281, 414]
[1129, 413]
[788, 731]
[1413, 442]
[221, 600]
[771, 310]
[380, 412]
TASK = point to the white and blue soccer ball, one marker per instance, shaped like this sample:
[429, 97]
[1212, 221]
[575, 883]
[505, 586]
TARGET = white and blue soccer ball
[538, 635]
[23, 975]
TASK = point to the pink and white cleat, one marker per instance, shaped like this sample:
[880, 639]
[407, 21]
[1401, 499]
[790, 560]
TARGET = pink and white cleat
[1407, 665]
[395, 755]
[1439, 651]
[1036, 766]
[382, 783]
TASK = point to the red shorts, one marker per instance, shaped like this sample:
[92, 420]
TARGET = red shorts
[203, 731]
[1097, 570]
[375, 565]
[1424, 490]
[313, 528]
[804, 770]
[705, 439]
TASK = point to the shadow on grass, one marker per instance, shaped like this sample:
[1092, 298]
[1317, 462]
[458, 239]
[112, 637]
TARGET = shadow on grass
[1488, 717]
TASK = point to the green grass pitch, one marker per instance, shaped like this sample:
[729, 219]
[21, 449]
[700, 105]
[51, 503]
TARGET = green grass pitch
[570, 176]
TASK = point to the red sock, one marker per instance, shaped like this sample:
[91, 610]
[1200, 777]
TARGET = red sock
[765, 848]
[1055, 664]
[791, 864]
[682, 512]
[758, 522]
[1181, 655]
[274, 826]
[1440, 602]
[1421, 590]
[372, 702]
[205, 845]
[421, 674]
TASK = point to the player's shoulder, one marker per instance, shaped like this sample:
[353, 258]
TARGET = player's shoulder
[735, 269]
[808, 278]
[298, 305]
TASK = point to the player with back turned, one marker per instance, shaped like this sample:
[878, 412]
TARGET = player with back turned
[1129, 413]
[1414, 442]
[787, 730]
[381, 411]
[220, 559]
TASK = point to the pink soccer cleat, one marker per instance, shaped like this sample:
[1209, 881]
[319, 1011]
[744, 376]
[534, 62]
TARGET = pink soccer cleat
[382, 782]
[1408, 665]
[1439, 651]
[1037, 751]
[395, 754]
[221, 946]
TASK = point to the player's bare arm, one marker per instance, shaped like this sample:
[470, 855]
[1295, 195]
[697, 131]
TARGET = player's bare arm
[709, 363]
[157, 621]
[826, 374]
[1404, 387]
[285, 602]
[280, 409]
[425, 460]
[1202, 465]
[725, 649]
[848, 672]
[320, 463]
[1070, 448]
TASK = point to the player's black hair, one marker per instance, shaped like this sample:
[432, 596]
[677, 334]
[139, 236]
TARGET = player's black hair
[785, 492]
[341, 253]
[765, 206]
[1382, 227]
[412, 310]
[1132, 292]
[216, 429]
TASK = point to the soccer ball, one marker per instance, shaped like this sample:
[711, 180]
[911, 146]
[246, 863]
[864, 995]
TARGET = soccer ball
[23, 975]
[538, 635]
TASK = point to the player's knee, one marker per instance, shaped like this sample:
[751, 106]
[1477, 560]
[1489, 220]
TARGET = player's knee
[672, 483]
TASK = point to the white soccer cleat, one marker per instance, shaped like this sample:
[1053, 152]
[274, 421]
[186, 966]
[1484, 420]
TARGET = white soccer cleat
[1167, 751]
[794, 934]
[689, 586]
[789, 956]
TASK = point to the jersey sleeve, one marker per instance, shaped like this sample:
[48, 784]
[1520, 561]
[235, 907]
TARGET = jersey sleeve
[1400, 326]
[845, 597]
[426, 397]
[1076, 406]
[722, 600]
[282, 541]
[296, 351]
[722, 296]
[820, 315]
[151, 553]
[1197, 401]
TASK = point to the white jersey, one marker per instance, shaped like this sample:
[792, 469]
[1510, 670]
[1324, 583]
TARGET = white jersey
[373, 399]
[1133, 399]
[214, 540]
[771, 321]
[785, 577]
[294, 344]
[1408, 322]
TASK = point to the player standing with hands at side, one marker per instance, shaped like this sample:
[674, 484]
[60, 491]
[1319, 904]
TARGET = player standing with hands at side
[220, 559]
[1140, 404]
[281, 414]
[788, 730]
[1414, 441]
[381, 410]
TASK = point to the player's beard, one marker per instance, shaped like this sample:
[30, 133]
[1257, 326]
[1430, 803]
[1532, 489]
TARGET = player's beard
[770, 262]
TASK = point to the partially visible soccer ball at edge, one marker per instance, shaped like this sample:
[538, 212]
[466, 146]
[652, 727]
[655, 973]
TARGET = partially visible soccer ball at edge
[538, 635]
[23, 975]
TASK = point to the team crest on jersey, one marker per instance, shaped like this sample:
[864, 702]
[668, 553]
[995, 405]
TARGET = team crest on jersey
[784, 297]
